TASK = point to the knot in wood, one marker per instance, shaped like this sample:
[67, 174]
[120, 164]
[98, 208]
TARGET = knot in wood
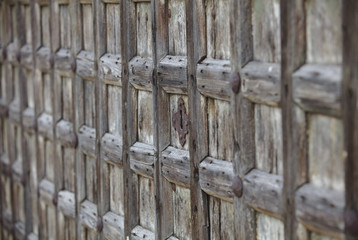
[180, 121]
[351, 222]
[99, 225]
[235, 82]
[237, 186]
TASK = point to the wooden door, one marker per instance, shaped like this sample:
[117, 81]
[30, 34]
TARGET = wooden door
[178, 119]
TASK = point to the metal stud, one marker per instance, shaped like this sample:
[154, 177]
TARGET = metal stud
[237, 186]
[235, 82]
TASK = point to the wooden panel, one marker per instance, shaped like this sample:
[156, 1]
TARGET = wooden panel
[221, 219]
[269, 228]
[91, 178]
[87, 26]
[114, 110]
[266, 30]
[181, 212]
[89, 107]
[64, 30]
[177, 27]
[268, 141]
[219, 129]
[45, 26]
[113, 28]
[145, 117]
[217, 29]
[326, 144]
[146, 203]
[116, 190]
[144, 30]
[324, 17]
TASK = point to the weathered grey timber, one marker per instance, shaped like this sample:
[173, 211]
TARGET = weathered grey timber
[178, 119]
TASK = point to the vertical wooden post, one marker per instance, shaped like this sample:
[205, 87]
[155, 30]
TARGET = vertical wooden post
[102, 168]
[243, 115]
[350, 115]
[128, 50]
[196, 50]
[292, 50]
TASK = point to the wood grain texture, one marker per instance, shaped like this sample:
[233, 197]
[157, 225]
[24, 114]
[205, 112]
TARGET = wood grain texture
[292, 27]
[217, 29]
[176, 166]
[263, 192]
[326, 144]
[317, 88]
[172, 74]
[216, 178]
[213, 78]
[349, 106]
[325, 17]
[320, 209]
[261, 83]
[269, 228]
[177, 27]
[113, 226]
[266, 33]
[268, 141]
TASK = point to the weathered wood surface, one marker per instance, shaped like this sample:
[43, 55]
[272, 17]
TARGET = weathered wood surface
[89, 149]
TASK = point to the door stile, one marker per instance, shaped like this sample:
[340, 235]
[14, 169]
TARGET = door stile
[128, 51]
[349, 111]
[242, 117]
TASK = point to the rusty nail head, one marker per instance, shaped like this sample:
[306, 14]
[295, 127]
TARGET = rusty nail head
[54, 199]
[351, 222]
[237, 186]
[73, 65]
[235, 82]
[74, 140]
[99, 224]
